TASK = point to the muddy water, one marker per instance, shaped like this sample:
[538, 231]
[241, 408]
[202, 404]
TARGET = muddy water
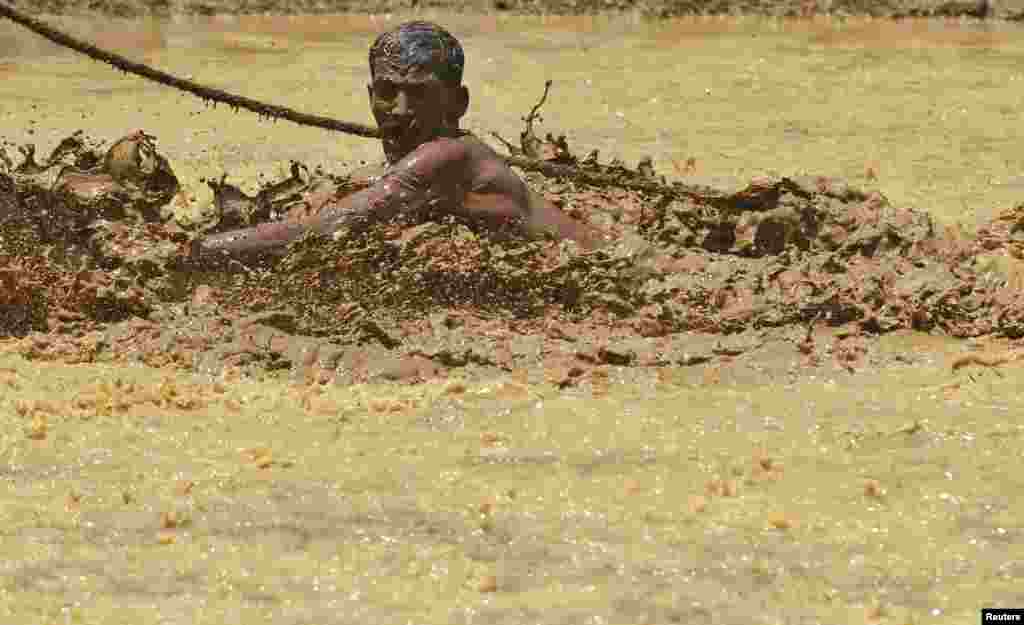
[741, 493]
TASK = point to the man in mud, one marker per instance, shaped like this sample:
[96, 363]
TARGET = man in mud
[417, 98]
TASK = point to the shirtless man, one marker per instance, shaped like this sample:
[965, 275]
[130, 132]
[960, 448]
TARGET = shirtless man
[417, 98]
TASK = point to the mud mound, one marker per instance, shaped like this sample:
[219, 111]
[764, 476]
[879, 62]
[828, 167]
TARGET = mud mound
[76, 246]
[691, 275]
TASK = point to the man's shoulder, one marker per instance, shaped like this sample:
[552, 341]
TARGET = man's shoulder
[474, 157]
[477, 147]
[472, 152]
[484, 163]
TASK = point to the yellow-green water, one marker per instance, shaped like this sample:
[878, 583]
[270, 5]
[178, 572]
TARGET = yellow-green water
[933, 108]
[889, 495]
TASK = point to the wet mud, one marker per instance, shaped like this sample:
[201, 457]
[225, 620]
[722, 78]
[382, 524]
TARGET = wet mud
[781, 277]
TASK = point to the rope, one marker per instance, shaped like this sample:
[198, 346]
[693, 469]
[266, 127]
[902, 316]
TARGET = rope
[551, 170]
[204, 92]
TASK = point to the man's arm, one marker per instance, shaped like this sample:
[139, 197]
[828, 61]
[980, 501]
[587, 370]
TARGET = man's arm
[407, 186]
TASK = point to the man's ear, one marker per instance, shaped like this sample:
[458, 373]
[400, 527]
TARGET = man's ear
[461, 104]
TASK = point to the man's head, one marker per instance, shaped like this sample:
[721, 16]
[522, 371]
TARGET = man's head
[416, 90]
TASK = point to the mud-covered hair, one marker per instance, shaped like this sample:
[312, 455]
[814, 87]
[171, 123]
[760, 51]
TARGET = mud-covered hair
[419, 44]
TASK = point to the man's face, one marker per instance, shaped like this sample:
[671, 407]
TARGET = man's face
[413, 106]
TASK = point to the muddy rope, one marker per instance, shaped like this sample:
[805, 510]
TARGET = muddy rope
[551, 170]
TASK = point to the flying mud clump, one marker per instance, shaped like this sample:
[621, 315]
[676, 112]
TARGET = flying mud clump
[93, 266]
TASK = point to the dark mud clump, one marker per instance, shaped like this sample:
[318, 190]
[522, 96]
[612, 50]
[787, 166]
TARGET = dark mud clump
[783, 274]
[81, 232]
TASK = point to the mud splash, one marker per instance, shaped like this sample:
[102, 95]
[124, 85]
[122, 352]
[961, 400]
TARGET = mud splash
[792, 273]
